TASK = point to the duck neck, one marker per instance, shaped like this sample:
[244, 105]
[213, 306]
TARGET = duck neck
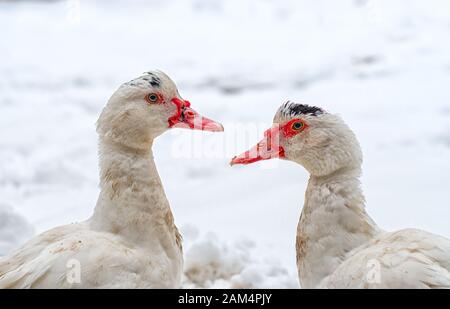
[132, 202]
[333, 222]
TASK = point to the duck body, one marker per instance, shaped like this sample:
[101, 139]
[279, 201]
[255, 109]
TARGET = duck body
[131, 241]
[340, 246]
[104, 260]
[405, 259]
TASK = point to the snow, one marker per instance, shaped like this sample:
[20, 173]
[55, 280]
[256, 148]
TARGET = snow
[14, 229]
[383, 65]
[212, 263]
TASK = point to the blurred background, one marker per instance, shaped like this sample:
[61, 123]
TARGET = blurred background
[383, 65]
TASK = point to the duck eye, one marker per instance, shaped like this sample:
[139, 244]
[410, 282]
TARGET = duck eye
[297, 125]
[152, 98]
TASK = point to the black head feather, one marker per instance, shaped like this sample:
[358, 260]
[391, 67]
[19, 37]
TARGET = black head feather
[153, 79]
[148, 79]
[295, 109]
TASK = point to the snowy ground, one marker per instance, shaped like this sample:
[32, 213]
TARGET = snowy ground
[383, 65]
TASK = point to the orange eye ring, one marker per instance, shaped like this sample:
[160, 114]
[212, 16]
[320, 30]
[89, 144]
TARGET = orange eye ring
[294, 127]
[297, 126]
[153, 98]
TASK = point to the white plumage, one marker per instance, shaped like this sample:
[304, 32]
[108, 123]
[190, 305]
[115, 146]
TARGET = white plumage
[338, 244]
[131, 241]
[408, 258]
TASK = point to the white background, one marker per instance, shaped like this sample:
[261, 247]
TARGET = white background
[384, 66]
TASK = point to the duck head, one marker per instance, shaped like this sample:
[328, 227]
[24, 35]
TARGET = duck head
[319, 141]
[146, 107]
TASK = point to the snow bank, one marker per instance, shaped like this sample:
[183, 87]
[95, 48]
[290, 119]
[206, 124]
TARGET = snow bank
[14, 230]
[213, 263]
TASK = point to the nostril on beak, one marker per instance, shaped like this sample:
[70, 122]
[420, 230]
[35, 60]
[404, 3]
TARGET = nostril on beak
[190, 114]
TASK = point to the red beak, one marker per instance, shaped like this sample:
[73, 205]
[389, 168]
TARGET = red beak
[266, 149]
[188, 118]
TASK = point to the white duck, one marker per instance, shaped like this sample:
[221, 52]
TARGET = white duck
[131, 240]
[338, 244]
